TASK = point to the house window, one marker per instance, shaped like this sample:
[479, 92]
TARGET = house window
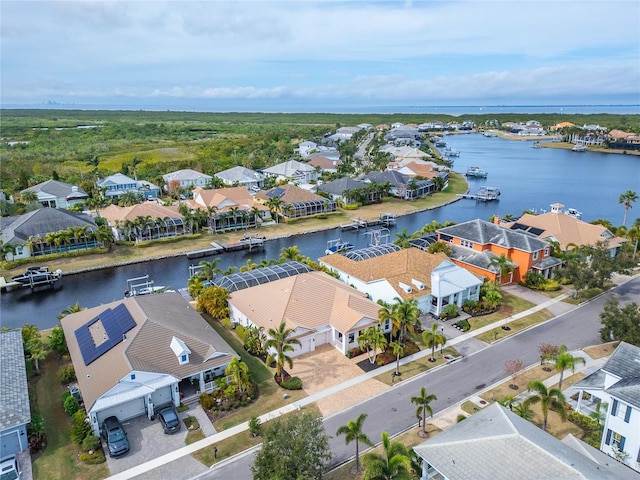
[387, 323]
[183, 359]
[133, 376]
[339, 336]
[615, 440]
[466, 243]
[19, 250]
[621, 410]
[546, 251]
[535, 255]
[351, 337]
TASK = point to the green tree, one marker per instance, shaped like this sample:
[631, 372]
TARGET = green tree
[280, 340]
[437, 247]
[275, 206]
[502, 265]
[392, 464]
[353, 432]
[71, 309]
[57, 342]
[209, 270]
[214, 301]
[291, 253]
[423, 402]
[620, 323]
[551, 398]
[433, 340]
[294, 447]
[402, 238]
[405, 317]
[239, 373]
[564, 360]
[398, 351]
[627, 199]
[372, 339]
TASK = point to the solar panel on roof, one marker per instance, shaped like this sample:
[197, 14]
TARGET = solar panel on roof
[536, 231]
[276, 192]
[116, 322]
[518, 226]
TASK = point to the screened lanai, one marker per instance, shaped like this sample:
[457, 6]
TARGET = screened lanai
[258, 276]
[371, 252]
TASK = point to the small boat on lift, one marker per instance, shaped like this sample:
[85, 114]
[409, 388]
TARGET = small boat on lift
[476, 172]
[450, 152]
[337, 246]
[37, 276]
[142, 286]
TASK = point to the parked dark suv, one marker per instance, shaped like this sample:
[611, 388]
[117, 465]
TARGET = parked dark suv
[115, 436]
[169, 420]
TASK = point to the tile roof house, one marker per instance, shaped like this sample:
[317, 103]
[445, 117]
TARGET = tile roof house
[241, 176]
[33, 228]
[477, 243]
[617, 384]
[387, 271]
[337, 189]
[405, 153]
[116, 185]
[325, 164]
[292, 170]
[231, 208]
[566, 230]
[136, 354]
[186, 178]
[15, 412]
[297, 202]
[497, 444]
[55, 194]
[168, 222]
[402, 186]
[319, 308]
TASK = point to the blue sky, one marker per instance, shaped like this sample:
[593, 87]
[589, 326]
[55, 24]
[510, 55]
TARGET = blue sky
[304, 54]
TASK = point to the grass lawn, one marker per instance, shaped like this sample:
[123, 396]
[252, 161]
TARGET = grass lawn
[418, 366]
[516, 326]
[510, 306]
[522, 380]
[601, 351]
[59, 459]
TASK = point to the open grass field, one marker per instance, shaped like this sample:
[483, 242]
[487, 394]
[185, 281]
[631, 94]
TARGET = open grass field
[516, 326]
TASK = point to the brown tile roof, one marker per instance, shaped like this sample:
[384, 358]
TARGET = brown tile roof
[224, 198]
[567, 229]
[401, 266]
[420, 169]
[308, 302]
[324, 163]
[152, 209]
[147, 348]
[292, 194]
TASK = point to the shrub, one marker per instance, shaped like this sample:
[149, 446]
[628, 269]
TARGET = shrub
[463, 324]
[91, 442]
[66, 394]
[80, 428]
[207, 401]
[96, 458]
[255, 426]
[71, 405]
[66, 374]
[292, 383]
[450, 311]
[227, 323]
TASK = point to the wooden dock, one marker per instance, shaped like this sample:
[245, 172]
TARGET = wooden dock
[215, 249]
[355, 224]
[485, 194]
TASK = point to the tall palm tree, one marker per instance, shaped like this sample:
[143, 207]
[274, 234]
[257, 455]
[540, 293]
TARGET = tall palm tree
[402, 238]
[275, 204]
[422, 401]
[29, 197]
[254, 212]
[291, 253]
[239, 373]
[564, 360]
[627, 199]
[372, 339]
[392, 464]
[209, 270]
[405, 316]
[353, 432]
[433, 340]
[71, 309]
[385, 313]
[502, 264]
[547, 398]
[398, 351]
[280, 340]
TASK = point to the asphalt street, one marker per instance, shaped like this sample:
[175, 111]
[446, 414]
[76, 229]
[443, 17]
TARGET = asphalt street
[393, 411]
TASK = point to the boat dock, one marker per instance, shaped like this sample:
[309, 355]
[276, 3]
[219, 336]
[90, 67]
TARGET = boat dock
[385, 219]
[45, 278]
[215, 249]
[248, 242]
[485, 194]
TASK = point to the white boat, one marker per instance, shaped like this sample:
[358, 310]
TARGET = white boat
[450, 152]
[572, 212]
[336, 246]
[144, 287]
[489, 193]
[476, 172]
[579, 148]
[37, 275]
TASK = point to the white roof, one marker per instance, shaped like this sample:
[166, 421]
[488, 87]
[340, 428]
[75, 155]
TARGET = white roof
[448, 279]
[128, 389]
[185, 174]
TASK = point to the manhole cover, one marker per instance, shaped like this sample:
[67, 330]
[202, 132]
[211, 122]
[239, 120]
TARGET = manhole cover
[478, 387]
[394, 409]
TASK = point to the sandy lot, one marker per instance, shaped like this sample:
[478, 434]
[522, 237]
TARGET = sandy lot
[327, 367]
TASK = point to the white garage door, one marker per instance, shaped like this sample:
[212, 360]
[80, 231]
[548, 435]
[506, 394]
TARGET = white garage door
[124, 411]
[9, 443]
[161, 397]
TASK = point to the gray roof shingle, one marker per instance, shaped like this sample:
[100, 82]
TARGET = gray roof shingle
[14, 395]
[42, 221]
[484, 233]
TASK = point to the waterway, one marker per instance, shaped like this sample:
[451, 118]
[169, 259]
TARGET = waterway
[528, 178]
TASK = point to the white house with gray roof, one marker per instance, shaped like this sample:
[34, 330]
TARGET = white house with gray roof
[241, 176]
[116, 185]
[15, 413]
[617, 384]
[497, 444]
[186, 178]
[55, 194]
[292, 170]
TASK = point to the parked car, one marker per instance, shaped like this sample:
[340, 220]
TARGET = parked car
[10, 468]
[113, 433]
[169, 420]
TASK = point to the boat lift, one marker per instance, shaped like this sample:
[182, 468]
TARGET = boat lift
[379, 236]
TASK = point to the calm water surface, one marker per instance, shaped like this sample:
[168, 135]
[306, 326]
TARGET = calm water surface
[528, 179]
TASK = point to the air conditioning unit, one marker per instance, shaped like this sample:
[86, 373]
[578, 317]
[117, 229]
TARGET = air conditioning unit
[405, 287]
[419, 285]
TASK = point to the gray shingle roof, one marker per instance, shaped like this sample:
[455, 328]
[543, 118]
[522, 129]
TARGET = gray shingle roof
[14, 395]
[240, 175]
[624, 361]
[58, 189]
[484, 233]
[42, 221]
[337, 187]
[497, 444]
[388, 176]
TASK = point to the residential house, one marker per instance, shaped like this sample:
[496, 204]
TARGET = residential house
[402, 186]
[347, 190]
[305, 149]
[38, 232]
[55, 194]
[144, 221]
[405, 153]
[404, 135]
[325, 164]
[616, 387]
[15, 413]
[317, 307]
[135, 355]
[116, 185]
[229, 208]
[569, 232]
[477, 244]
[387, 271]
[497, 444]
[292, 171]
[297, 202]
[185, 179]
[242, 176]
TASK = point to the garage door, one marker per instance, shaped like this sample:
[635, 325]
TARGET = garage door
[9, 443]
[161, 396]
[124, 411]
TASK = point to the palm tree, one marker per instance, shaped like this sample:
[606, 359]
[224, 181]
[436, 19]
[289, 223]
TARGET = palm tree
[547, 398]
[209, 270]
[353, 431]
[402, 238]
[38, 351]
[433, 340]
[290, 253]
[405, 316]
[392, 464]
[29, 197]
[275, 204]
[372, 340]
[502, 264]
[564, 360]
[104, 235]
[280, 340]
[626, 199]
[71, 309]
[239, 373]
[398, 351]
[385, 313]
[423, 401]
[523, 411]
[254, 212]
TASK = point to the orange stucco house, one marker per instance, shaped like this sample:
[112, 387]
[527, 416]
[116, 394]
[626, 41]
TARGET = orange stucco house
[477, 243]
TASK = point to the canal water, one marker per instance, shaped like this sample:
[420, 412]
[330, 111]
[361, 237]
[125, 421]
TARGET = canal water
[528, 178]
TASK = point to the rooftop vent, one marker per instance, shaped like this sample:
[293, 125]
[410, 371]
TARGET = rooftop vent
[405, 287]
[419, 285]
